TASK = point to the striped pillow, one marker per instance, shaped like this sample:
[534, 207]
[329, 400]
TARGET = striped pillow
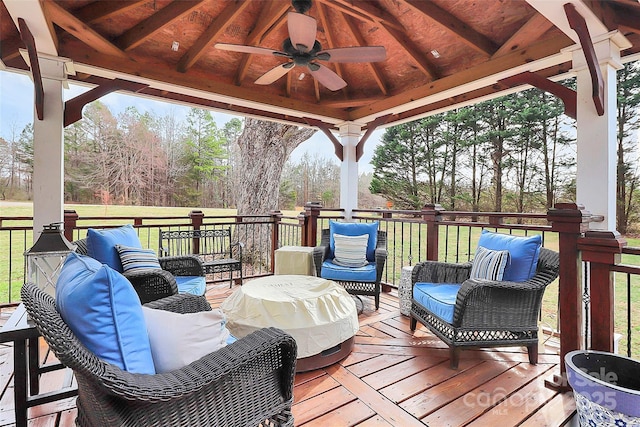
[489, 264]
[350, 251]
[135, 259]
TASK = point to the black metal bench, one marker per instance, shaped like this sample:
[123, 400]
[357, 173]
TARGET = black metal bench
[214, 247]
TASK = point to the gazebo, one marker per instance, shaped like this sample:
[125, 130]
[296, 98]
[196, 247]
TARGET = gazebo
[439, 55]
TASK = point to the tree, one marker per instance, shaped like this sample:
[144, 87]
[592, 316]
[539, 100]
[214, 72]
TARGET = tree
[264, 149]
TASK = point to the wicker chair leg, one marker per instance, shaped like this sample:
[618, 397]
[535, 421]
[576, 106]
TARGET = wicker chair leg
[533, 353]
[454, 357]
[377, 298]
[413, 324]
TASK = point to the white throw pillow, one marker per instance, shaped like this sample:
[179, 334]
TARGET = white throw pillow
[489, 264]
[350, 251]
[178, 339]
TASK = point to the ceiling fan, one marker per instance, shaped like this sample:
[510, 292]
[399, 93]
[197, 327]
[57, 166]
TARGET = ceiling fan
[302, 49]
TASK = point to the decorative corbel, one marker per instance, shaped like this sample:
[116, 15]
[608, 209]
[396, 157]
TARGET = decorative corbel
[73, 107]
[579, 25]
[370, 128]
[28, 40]
[325, 129]
[568, 96]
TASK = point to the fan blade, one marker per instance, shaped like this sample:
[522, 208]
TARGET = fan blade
[327, 77]
[356, 54]
[274, 74]
[302, 30]
[248, 49]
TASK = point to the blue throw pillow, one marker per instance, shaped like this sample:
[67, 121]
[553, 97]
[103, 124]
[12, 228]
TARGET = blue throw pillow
[104, 312]
[101, 244]
[523, 253]
[136, 259]
[355, 229]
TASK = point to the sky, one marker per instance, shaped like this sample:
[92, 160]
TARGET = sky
[16, 111]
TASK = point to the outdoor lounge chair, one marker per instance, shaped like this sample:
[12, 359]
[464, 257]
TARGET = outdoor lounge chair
[246, 383]
[481, 313]
[362, 280]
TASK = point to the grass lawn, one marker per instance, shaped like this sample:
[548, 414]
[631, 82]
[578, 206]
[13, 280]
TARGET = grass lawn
[406, 245]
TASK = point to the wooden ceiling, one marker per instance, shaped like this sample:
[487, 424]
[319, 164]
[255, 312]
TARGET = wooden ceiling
[439, 52]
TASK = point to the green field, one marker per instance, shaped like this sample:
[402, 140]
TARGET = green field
[406, 246]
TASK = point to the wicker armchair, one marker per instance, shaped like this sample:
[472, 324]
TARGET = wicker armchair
[247, 383]
[354, 287]
[486, 313]
[154, 284]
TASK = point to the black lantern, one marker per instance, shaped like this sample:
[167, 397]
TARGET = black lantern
[46, 257]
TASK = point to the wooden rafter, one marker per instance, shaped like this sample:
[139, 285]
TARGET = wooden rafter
[373, 67]
[415, 53]
[272, 16]
[211, 34]
[568, 96]
[527, 34]
[339, 149]
[467, 34]
[81, 31]
[324, 21]
[100, 10]
[29, 41]
[579, 25]
[364, 11]
[73, 107]
[147, 28]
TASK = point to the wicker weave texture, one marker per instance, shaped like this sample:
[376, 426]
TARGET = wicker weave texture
[243, 384]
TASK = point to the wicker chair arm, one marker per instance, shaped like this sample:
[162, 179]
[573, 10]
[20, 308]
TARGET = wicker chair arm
[440, 272]
[320, 253]
[381, 259]
[264, 350]
[182, 265]
[152, 284]
[181, 303]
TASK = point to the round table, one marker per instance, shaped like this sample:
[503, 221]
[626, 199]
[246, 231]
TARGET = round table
[318, 313]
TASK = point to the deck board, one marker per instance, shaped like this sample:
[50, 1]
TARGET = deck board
[393, 377]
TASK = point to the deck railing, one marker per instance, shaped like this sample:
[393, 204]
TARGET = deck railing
[427, 234]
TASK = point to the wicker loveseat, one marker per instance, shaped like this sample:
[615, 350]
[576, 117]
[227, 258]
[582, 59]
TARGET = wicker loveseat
[246, 383]
[486, 313]
[153, 284]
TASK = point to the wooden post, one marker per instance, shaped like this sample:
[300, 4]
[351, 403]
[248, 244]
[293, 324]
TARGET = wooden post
[197, 218]
[276, 218]
[312, 212]
[602, 249]
[431, 214]
[70, 222]
[302, 221]
[569, 220]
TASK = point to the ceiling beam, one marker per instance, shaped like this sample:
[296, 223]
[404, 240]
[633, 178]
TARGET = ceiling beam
[324, 21]
[32, 11]
[441, 17]
[364, 11]
[526, 35]
[414, 52]
[373, 67]
[81, 31]
[211, 34]
[147, 28]
[100, 10]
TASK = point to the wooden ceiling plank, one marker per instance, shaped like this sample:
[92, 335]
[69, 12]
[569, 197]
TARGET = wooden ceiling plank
[365, 11]
[467, 34]
[512, 60]
[526, 35]
[373, 67]
[136, 35]
[100, 10]
[630, 22]
[414, 52]
[27, 38]
[80, 30]
[211, 34]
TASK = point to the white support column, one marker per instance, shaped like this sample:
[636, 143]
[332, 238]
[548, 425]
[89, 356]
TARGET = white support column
[596, 145]
[350, 133]
[48, 148]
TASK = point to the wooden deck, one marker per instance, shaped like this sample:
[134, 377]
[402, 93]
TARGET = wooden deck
[392, 378]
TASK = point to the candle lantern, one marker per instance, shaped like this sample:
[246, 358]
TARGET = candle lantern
[46, 257]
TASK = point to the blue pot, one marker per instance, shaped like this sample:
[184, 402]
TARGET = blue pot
[606, 388]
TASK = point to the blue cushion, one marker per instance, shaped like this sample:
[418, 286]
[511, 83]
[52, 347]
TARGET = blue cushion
[523, 253]
[355, 229]
[104, 312]
[101, 244]
[438, 298]
[191, 284]
[331, 271]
